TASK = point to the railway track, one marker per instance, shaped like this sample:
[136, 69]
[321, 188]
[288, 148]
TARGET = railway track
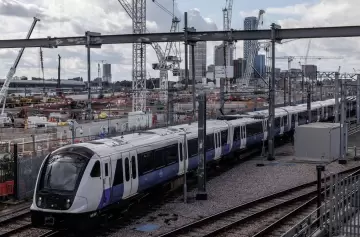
[272, 215]
[17, 222]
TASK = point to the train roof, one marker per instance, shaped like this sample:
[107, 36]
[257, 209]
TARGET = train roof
[109, 146]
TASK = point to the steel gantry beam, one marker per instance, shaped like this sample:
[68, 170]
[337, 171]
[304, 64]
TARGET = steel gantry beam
[280, 34]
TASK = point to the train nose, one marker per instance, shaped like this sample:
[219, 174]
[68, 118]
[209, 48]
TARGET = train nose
[80, 204]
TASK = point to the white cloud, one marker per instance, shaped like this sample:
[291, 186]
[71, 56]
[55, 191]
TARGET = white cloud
[74, 17]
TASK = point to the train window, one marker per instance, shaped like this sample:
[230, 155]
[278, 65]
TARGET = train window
[285, 120]
[277, 122]
[133, 167]
[106, 169]
[209, 142]
[236, 134]
[224, 137]
[118, 178]
[171, 154]
[193, 147]
[181, 152]
[159, 160]
[254, 129]
[127, 169]
[95, 172]
[145, 162]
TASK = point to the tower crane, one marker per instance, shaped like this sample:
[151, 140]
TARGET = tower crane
[254, 47]
[228, 47]
[166, 61]
[12, 71]
[42, 69]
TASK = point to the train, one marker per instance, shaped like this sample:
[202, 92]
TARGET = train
[81, 183]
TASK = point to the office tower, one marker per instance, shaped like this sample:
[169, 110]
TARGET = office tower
[200, 62]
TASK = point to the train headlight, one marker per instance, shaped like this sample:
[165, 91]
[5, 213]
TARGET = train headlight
[67, 204]
[39, 201]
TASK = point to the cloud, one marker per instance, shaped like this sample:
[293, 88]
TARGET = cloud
[74, 17]
[322, 14]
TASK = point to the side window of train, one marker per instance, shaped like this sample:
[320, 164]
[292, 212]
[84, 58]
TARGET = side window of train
[118, 178]
[277, 122]
[106, 169]
[127, 169]
[181, 151]
[145, 162]
[236, 134]
[133, 167]
[159, 160]
[285, 120]
[171, 154]
[254, 129]
[224, 137]
[209, 142]
[95, 172]
[192, 147]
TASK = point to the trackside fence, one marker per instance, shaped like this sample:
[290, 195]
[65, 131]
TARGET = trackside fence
[339, 214]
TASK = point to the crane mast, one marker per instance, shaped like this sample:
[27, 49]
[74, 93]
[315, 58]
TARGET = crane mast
[228, 47]
[163, 56]
[12, 71]
[254, 47]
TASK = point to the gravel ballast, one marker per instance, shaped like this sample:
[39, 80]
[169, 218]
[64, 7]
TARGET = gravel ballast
[244, 183]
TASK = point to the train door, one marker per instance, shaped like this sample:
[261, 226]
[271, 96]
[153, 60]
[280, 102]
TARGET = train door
[217, 144]
[318, 115]
[106, 173]
[290, 122]
[134, 172]
[242, 137]
[131, 177]
[282, 125]
[230, 136]
[182, 151]
[325, 108]
[265, 129]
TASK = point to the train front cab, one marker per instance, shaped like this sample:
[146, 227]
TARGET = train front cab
[56, 201]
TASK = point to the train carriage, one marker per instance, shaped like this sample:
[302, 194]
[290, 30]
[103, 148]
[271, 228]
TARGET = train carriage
[79, 183]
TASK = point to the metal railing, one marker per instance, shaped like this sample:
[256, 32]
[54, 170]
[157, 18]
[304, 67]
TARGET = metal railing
[339, 214]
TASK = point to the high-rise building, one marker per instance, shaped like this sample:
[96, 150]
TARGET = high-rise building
[200, 62]
[249, 24]
[107, 72]
[239, 67]
[259, 65]
[219, 58]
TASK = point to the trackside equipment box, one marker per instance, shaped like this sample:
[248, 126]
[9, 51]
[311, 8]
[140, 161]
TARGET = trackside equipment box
[318, 141]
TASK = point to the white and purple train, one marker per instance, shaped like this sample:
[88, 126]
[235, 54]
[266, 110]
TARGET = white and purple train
[79, 183]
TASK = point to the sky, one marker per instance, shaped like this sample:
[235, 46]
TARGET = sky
[74, 17]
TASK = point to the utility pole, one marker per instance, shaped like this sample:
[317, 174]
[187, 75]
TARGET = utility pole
[193, 78]
[285, 91]
[201, 192]
[90, 45]
[290, 89]
[358, 99]
[59, 70]
[271, 122]
[222, 93]
[308, 101]
[336, 85]
[302, 87]
[342, 159]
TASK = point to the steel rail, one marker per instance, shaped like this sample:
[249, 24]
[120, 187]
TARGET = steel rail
[205, 221]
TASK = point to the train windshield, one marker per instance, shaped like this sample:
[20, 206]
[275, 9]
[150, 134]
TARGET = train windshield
[62, 171]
